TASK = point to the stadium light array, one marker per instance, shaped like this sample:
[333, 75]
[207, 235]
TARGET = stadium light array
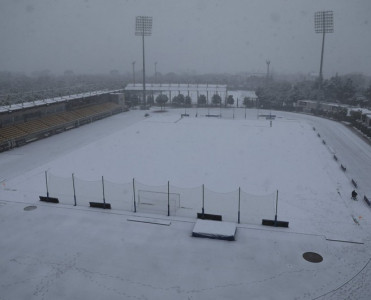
[143, 27]
[323, 23]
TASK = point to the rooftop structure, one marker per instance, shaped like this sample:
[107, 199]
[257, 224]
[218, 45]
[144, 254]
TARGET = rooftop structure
[166, 87]
[23, 105]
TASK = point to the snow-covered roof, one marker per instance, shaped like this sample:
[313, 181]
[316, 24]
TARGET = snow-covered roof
[23, 105]
[325, 103]
[177, 87]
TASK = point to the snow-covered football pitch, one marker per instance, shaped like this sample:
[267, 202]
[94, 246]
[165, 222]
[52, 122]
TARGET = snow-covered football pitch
[60, 251]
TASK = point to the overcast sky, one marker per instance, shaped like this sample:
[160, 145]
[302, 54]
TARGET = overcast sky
[202, 36]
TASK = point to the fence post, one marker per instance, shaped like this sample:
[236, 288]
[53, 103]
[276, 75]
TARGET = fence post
[275, 217]
[239, 203]
[46, 180]
[74, 189]
[168, 198]
[203, 200]
[104, 198]
[135, 205]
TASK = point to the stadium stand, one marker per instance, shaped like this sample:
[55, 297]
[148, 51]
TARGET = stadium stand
[33, 126]
[32, 123]
[12, 132]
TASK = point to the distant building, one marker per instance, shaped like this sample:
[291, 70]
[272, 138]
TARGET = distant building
[365, 115]
[173, 89]
[310, 105]
[191, 90]
[367, 120]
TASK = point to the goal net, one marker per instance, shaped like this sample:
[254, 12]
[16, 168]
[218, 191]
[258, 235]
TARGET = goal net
[157, 202]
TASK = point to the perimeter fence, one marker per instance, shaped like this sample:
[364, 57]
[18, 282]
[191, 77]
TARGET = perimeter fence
[167, 200]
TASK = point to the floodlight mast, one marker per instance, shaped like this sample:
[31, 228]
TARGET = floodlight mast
[323, 23]
[143, 27]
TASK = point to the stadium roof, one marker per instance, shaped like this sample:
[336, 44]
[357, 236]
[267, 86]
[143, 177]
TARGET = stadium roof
[23, 105]
[221, 88]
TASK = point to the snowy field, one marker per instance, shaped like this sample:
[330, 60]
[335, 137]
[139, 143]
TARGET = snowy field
[61, 251]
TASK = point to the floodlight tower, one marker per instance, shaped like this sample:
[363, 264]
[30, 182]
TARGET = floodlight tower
[143, 27]
[323, 23]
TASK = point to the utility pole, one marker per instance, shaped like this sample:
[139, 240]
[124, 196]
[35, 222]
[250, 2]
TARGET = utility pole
[268, 63]
[155, 72]
[133, 72]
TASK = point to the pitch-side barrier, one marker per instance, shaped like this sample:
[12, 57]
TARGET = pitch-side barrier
[167, 200]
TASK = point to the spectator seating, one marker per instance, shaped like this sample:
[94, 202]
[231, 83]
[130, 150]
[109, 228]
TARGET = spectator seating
[51, 124]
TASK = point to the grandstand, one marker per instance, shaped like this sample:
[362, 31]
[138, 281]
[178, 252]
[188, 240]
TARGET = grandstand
[27, 122]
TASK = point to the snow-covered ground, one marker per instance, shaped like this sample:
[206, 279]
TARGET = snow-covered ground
[61, 251]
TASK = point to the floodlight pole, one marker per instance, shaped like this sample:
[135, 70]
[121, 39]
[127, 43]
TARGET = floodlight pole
[144, 72]
[323, 23]
[156, 72]
[143, 26]
[323, 47]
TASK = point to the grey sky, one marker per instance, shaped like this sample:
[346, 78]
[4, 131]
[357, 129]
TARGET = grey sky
[92, 36]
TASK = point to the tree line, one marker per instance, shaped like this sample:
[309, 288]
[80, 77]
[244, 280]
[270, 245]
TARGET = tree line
[280, 92]
[353, 90]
